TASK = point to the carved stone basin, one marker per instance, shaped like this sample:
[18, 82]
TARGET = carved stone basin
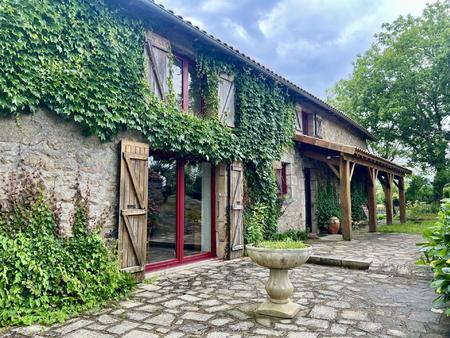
[279, 287]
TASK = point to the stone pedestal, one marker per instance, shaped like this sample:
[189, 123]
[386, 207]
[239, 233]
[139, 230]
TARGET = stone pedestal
[279, 287]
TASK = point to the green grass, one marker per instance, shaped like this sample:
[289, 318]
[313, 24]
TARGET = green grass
[408, 227]
[282, 245]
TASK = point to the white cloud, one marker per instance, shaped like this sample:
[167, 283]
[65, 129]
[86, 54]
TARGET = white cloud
[236, 29]
[214, 6]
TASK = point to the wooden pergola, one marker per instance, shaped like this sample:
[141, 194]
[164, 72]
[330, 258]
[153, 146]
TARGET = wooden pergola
[342, 159]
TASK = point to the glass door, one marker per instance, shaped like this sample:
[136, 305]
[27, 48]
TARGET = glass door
[180, 225]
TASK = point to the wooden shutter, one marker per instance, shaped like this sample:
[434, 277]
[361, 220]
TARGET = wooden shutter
[157, 54]
[236, 210]
[298, 118]
[133, 202]
[226, 100]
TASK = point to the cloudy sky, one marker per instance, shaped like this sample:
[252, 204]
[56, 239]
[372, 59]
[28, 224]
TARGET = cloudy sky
[311, 42]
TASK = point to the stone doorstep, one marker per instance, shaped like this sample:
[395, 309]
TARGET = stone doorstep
[358, 264]
[187, 266]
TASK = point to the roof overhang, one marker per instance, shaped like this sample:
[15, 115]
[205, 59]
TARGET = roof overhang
[330, 152]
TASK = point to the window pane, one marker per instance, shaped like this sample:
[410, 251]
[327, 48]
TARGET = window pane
[162, 202]
[197, 208]
[177, 78]
[194, 95]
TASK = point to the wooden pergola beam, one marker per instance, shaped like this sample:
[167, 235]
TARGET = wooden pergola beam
[401, 199]
[387, 182]
[346, 204]
[372, 198]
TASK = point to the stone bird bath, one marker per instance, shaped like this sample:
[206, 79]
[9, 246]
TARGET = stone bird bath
[279, 287]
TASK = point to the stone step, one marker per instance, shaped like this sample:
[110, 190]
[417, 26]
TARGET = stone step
[358, 264]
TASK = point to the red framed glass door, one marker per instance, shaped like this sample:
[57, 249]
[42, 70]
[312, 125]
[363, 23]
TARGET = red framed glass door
[181, 214]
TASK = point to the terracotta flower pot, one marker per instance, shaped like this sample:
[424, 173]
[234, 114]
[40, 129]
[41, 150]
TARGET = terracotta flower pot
[279, 287]
[333, 226]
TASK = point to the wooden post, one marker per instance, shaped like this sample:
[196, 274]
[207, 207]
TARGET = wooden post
[388, 198]
[344, 178]
[402, 199]
[372, 198]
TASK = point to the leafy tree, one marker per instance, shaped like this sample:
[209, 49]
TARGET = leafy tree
[419, 189]
[399, 89]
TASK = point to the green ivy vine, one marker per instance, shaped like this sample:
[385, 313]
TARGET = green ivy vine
[85, 62]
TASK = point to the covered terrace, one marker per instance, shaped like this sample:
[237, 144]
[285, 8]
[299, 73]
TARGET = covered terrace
[342, 160]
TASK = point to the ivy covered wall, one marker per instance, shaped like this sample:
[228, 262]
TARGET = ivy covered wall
[85, 62]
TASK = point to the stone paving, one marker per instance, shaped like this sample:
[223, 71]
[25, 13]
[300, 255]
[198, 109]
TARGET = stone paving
[218, 299]
[393, 254]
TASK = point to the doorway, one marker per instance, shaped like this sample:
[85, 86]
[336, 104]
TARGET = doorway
[308, 206]
[180, 222]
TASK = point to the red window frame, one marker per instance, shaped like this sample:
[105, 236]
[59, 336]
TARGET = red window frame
[180, 259]
[185, 64]
[282, 173]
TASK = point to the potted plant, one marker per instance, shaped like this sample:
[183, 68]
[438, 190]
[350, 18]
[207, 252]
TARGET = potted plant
[333, 225]
[279, 257]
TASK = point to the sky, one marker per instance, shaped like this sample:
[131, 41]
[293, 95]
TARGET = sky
[311, 42]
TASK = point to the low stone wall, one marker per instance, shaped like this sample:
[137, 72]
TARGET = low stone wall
[65, 154]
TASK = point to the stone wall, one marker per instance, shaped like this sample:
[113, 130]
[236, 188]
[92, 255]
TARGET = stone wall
[65, 154]
[335, 131]
[293, 208]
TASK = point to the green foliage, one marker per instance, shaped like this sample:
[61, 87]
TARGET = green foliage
[409, 227]
[441, 179]
[285, 244]
[255, 216]
[45, 278]
[436, 253]
[399, 88]
[264, 126]
[358, 198]
[85, 62]
[295, 235]
[421, 210]
[327, 205]
[419, 189]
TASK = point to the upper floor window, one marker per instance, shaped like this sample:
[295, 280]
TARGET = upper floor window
[281, 178]
[183, 75]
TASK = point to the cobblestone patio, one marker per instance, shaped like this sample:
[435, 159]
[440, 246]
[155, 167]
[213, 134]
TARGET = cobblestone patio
[379, 249]
[218, 299]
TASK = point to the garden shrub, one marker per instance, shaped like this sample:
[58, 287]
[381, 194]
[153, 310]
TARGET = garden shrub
[420, 210]
[436, 253]
[327, 205]
[358, 199]
[44, 277]
[256, 215]
[294, 235]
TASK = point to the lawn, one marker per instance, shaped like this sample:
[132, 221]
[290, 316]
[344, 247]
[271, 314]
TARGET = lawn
[408, 227]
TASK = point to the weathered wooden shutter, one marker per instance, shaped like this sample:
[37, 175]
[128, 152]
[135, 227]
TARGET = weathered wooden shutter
[236, 210]
[226, 100]
[156, 54]
[298, 118]
[133, 202]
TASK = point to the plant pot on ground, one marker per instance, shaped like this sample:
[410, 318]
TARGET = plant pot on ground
[279, 257]
[333, 225]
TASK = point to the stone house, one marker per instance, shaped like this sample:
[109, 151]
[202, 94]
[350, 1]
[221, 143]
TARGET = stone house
[166, 210]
